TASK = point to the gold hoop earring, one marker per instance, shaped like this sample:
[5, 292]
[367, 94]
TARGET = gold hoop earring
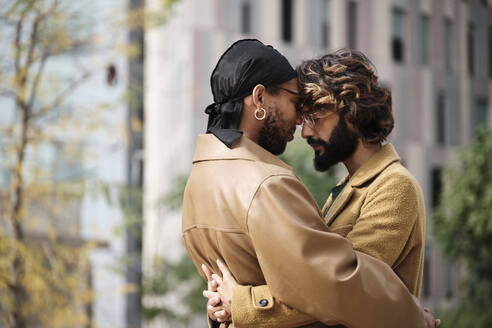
[256, 113]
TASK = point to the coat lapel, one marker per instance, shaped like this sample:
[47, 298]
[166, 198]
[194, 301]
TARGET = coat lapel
[339, 203]
[375, 165]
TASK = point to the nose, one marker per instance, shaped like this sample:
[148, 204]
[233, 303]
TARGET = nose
[307, 131]
[298, 118]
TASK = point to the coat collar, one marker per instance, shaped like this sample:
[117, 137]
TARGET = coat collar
[372, 167]
[209, 148]
[375, 165]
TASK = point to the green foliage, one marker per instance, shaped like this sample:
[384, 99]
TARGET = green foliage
[180, 278]
[299, 155]
[174, 198]
[131, 205]
[462, 224]
[467, 315]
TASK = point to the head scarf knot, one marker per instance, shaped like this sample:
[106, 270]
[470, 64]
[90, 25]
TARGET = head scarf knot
[244, 65]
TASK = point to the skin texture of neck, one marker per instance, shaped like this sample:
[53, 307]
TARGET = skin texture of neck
[363, 152]
[249, 125]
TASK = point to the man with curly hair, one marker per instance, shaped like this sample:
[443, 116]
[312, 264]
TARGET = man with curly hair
[378, 206]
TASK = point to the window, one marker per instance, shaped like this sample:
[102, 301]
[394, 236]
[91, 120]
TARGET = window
[470, 48]
[287, 20]
[424, 39]
[397, 41]
[448, 45]
[436, 186]
[325, 24]
[246, 17]
[440, 120]
[480, 113]
[352, 25]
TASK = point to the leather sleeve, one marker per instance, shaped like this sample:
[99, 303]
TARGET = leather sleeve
[256, 307]
[318, 272]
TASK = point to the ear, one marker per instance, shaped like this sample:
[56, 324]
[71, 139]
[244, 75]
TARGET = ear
[258, 94]
[350, 126]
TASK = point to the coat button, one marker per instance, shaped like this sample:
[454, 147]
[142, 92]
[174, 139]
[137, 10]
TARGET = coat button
[263, 302]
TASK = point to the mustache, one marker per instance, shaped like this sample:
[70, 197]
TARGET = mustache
[317, 141]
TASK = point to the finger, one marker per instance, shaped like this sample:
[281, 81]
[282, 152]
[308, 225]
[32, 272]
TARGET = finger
[213, 309]
[225, 271]
[217, 279]
[426, 310]
[214, 301]
[208, 294]
[221, 315]
[207, 272]
[212, 285]
[438, 322]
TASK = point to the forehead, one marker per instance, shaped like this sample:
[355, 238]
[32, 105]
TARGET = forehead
[291, 85]
[310, 108]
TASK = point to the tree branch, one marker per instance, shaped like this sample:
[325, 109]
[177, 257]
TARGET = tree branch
[17, 44]
[35, 83]
[33, 41]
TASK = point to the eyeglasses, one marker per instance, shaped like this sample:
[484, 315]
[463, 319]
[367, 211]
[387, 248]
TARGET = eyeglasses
[310, 119]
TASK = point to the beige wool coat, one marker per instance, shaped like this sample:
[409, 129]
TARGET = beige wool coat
[381, 212]
[246, 207]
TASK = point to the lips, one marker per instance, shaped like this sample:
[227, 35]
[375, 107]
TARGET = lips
[317, 147]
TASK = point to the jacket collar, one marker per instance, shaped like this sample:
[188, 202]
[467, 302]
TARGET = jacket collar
[372, 167]
[375, 165]
[209, 148]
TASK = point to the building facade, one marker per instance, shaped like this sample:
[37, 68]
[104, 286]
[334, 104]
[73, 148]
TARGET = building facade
[434, 55]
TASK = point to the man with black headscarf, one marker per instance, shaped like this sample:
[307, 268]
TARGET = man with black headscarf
[246, 207]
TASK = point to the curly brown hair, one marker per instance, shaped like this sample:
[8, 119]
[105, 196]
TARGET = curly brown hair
[346, 81]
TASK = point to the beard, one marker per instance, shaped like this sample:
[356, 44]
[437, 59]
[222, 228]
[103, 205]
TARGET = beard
[272, 136]
[341, 145]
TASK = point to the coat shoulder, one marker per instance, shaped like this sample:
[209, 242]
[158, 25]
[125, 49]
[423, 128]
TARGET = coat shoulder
[396, 175]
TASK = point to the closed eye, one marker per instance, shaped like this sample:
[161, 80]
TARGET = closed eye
[299, 105]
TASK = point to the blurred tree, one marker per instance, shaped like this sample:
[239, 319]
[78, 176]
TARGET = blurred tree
[182, 278]
[462, 223]
[44, 269]
[299, 155]
[179, 279]
[44, 275]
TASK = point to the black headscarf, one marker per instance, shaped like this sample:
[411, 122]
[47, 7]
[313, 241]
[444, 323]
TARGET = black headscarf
[244, 65]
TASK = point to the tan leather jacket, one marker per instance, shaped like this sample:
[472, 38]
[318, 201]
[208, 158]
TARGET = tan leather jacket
[246, 207]
[381, 212]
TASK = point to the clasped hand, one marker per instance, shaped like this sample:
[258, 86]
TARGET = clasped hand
[219, 294]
